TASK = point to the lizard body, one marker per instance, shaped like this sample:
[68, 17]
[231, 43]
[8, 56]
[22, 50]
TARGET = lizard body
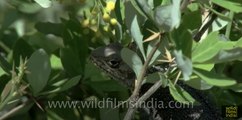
[108, 58]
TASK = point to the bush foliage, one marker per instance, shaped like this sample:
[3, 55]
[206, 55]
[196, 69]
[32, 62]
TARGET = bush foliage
[45, 45]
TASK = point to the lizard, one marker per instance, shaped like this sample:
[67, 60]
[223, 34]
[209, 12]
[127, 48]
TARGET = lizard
[108, 59]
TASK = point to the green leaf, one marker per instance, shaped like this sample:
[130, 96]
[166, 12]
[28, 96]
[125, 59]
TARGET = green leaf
[152, 78]
[29, 8]
[210, 47]
[196, 19]
[70, 83]
[2, 72]
[49, 43]
[223, 16]
[233, 5]
[227, 55]
[237, 87]
[21, 49]
[207, 67]
[118, 32]
[157, 52]
[104, 86]
[181, 95]
[214, 49]
[219, 24]
[132, 59]
[198, 83]
[74, 54]
[50, 28]
[213, 79]
[167, 17]
[184, 63]
[137, 35]
[131, 11]
[44, 3]
[62, 85]
[146, 7]
[183, 40]
[108, 113]
[71, 61]
[202, 50]
[39, 67]
[54, 88]
[5, 65]
[55, 62]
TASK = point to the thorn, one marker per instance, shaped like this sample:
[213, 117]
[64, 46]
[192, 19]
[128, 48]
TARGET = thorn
[152, 37]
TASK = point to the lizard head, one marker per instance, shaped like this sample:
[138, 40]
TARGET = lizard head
[108, 59]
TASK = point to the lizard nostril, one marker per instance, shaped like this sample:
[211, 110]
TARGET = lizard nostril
[113, 63]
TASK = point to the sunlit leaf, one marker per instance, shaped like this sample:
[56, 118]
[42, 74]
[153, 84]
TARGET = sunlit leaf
[218, 50]
[137, 35]
[167, 17]
[198, 83]
[180, 94]
[214, 79]
[226, 55]
[233, 5]
[132, 59]
[44, 3]
[55, 62]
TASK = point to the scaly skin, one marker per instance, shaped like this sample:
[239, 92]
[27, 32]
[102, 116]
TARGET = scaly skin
[108, 59]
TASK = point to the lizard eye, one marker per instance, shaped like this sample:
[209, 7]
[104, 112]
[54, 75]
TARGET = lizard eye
[114, 63]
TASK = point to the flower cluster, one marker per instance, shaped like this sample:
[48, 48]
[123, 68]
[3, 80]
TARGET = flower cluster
[100, 17]
[110, 6]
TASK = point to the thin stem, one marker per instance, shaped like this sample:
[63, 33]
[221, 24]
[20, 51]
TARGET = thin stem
[140, 79]
[229, 26]
[144, 97]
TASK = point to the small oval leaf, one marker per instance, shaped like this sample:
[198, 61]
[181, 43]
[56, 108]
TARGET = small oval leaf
[180, 94]
[214, 79]
[184, 63]
[39, 67]
[132, 59]
[44, 3]
[137, 35]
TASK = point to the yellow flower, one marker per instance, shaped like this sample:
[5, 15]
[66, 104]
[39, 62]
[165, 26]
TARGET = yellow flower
[85, 23]
[93, 22]
[110, 6]
[113, 21]
[106, 28]
[106, 17]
